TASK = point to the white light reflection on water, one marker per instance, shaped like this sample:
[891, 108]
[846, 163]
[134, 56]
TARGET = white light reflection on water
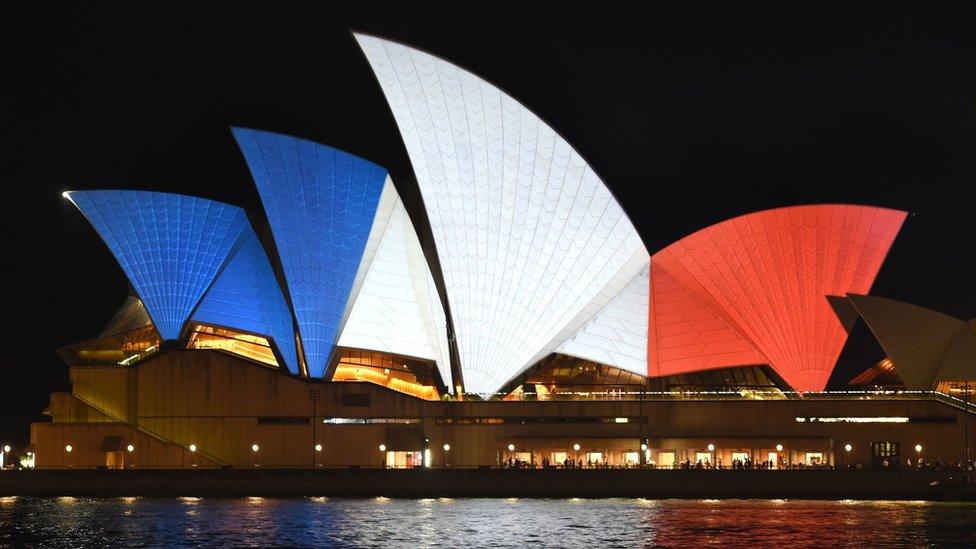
[384, 522]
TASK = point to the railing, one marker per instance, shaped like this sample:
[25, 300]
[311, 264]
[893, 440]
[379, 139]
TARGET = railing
[149, 432]
[729, 395]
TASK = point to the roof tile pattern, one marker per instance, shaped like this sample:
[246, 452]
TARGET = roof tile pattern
[170, 246]
[688, 335]
[959, 361]
[527, 234]
[246, 296]
[397, 309]
[768, 274]
[617, 335]
[922, 343]
[320, 203]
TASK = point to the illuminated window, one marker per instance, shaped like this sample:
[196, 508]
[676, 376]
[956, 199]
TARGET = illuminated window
[564, 377]
[965, 390]
[406, 375]
[249, 346]
[121, 349]
[882, 374]
[369, 421]
[852, 420]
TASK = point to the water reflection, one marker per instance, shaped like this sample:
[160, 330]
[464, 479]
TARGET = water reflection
[446, 522]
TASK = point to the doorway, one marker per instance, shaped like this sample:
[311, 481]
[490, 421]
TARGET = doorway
[115, 460]
[404, 460]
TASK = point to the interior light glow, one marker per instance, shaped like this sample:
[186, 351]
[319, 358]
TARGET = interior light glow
[511, 447]
[382, 447]
[193, 447]
[246, 297]
[130, 448]
[852, 420]
[255, 447]
[318, 447]
[711, 447]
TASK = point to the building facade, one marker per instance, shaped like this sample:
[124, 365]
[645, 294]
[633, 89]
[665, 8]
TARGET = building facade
[533, 327]
[208, 408]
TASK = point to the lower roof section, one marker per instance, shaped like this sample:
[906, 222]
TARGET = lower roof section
[924, 346]
[397, 309]
[131, 315]
[246, 297]
[618, 334]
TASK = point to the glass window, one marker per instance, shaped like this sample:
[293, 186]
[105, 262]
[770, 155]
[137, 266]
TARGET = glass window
[120, 349]
[249, 346]
[406, 375]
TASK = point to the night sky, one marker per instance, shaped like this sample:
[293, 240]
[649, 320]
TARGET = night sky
[691, 114]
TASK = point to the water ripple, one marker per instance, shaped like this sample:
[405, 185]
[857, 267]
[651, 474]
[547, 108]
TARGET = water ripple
[449, 523]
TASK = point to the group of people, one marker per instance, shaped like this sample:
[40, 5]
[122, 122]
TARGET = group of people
[750, 464]
[922, 463]
[568, 463]
[742, 464]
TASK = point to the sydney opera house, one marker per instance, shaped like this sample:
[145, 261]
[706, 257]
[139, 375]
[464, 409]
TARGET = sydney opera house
[531, 323]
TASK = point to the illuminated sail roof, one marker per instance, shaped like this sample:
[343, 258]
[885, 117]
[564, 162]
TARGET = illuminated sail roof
[755, 288]
[170, 246]
[397, 309]
[688, 333]
[529, 238]
[246, 296]
[320, 203]
[617, 335]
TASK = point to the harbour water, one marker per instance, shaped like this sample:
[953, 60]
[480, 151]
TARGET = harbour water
[382, 522]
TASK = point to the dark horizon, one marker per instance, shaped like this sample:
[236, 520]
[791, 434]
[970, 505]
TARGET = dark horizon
[690, 115]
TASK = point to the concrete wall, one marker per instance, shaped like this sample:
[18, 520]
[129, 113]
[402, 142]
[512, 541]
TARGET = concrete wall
[223, 405]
